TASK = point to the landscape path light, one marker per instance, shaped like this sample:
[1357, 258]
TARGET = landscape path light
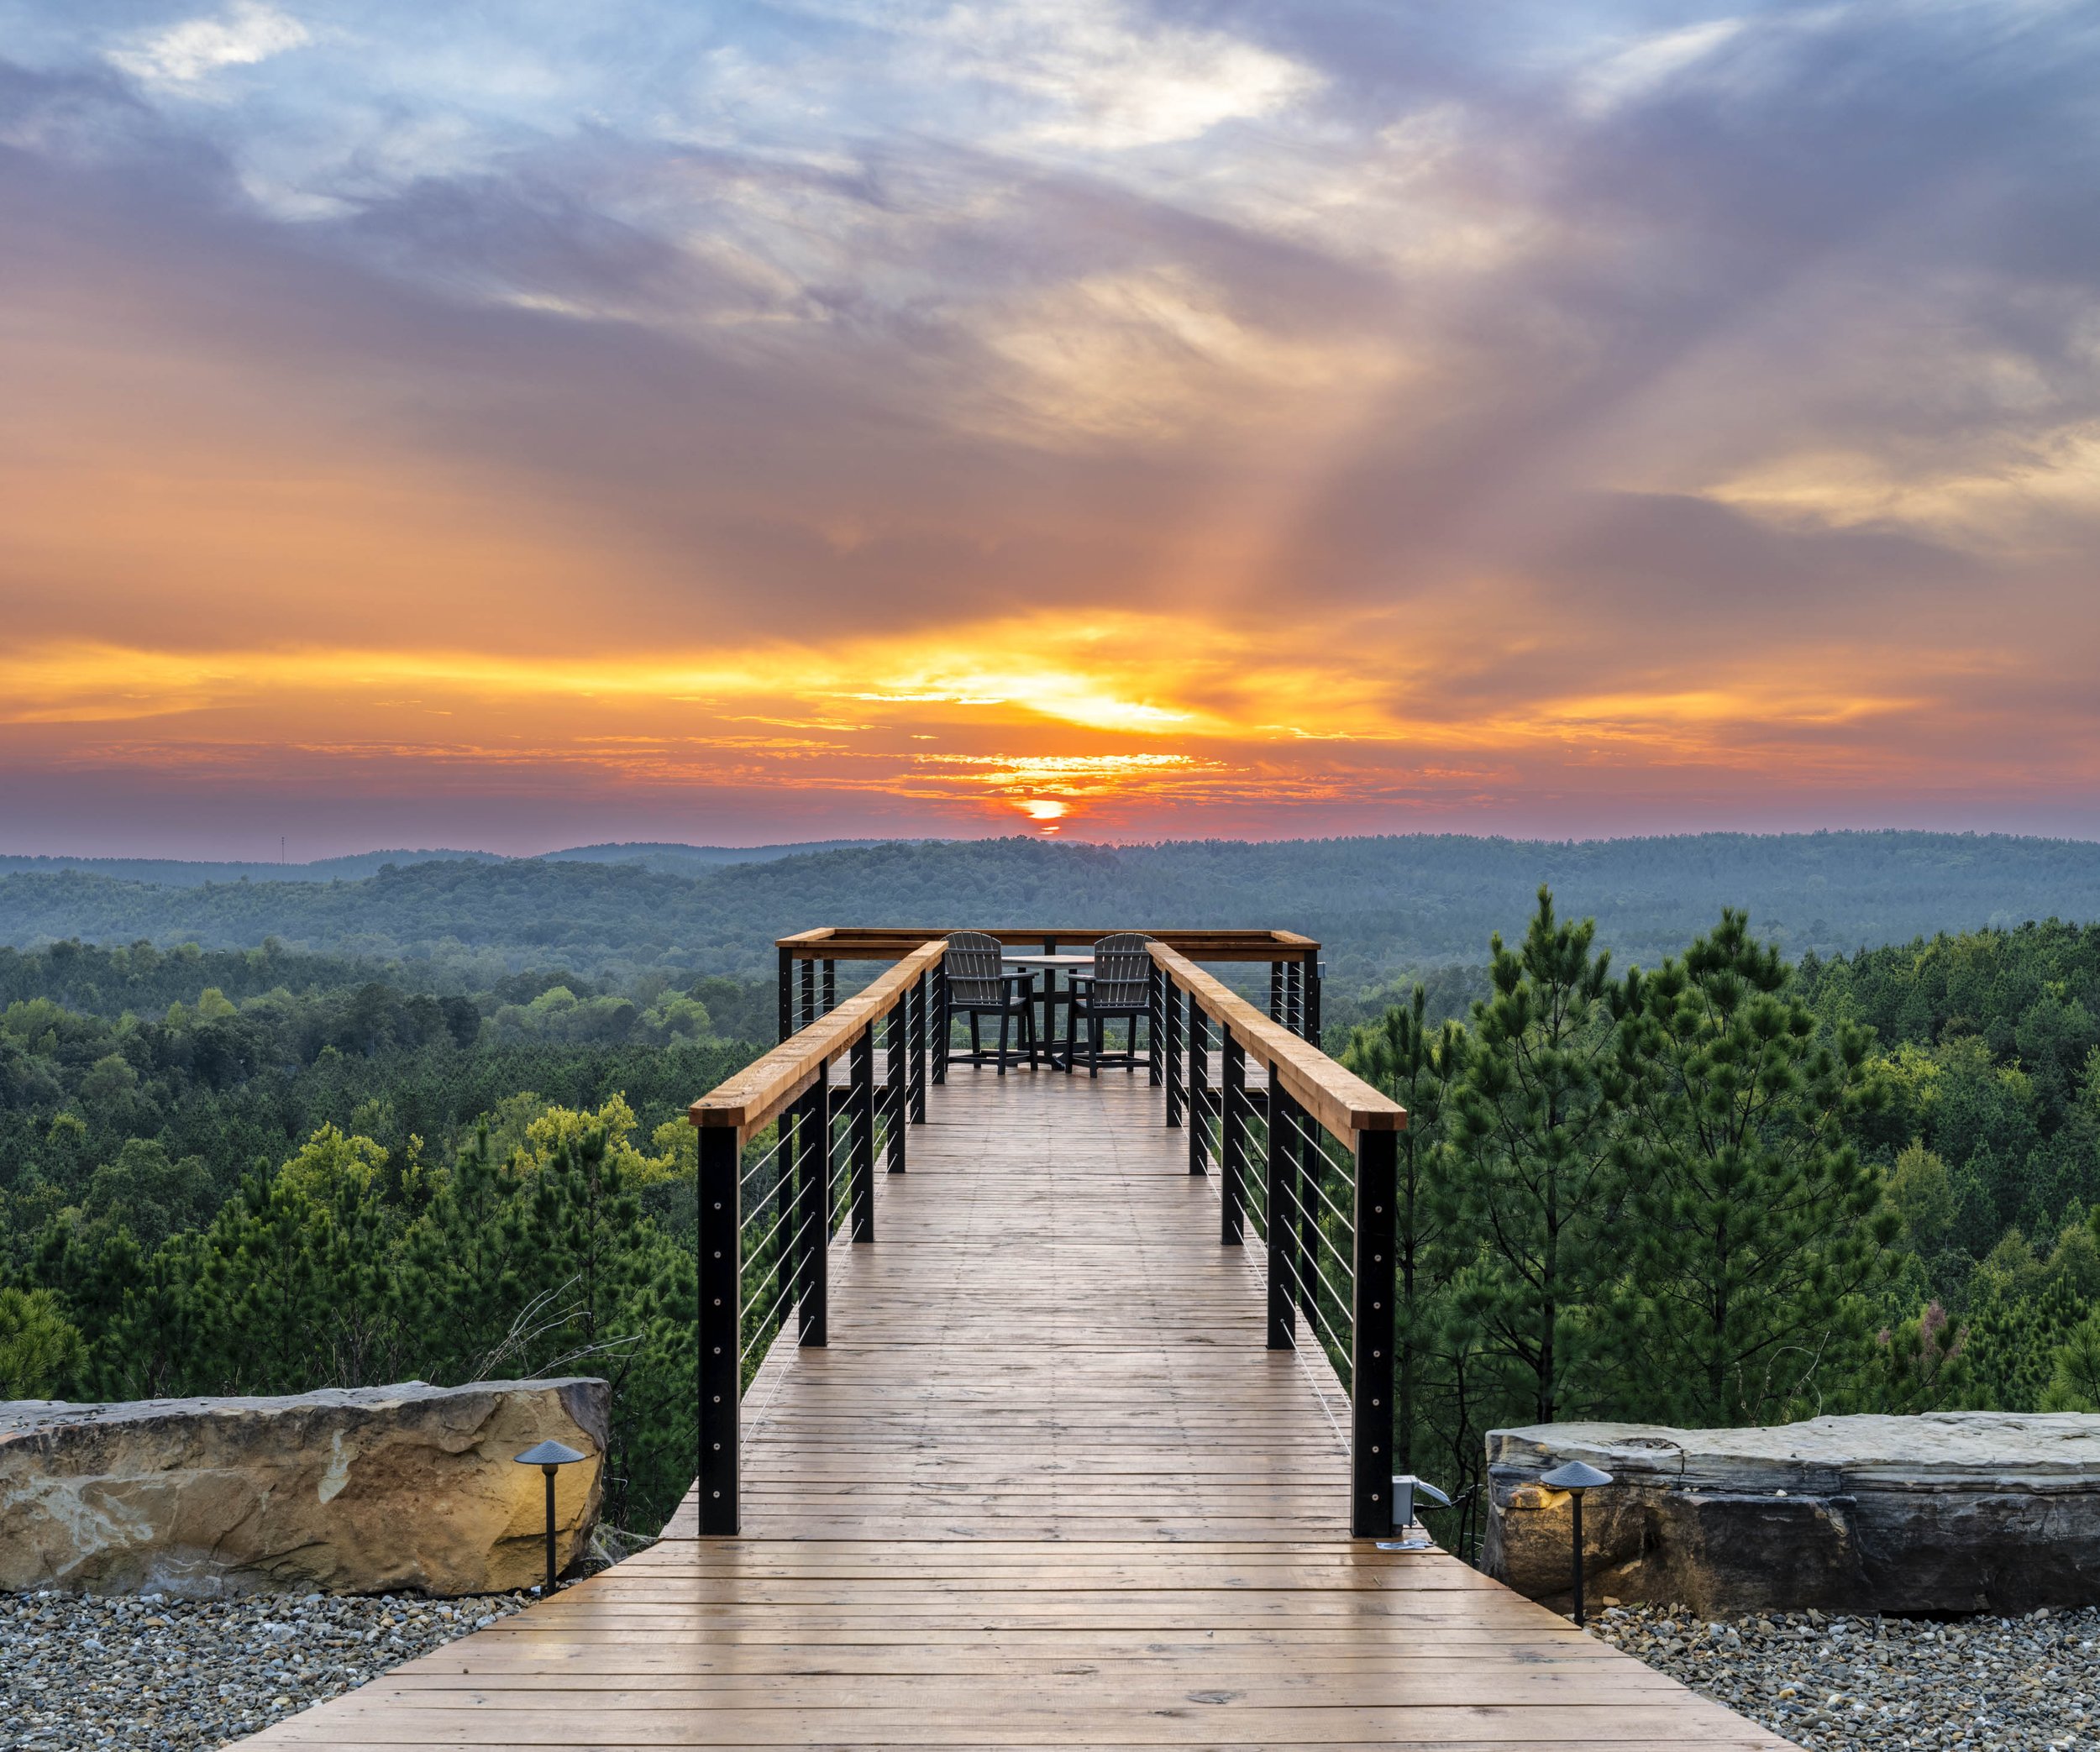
[1575, 1477]
[550, 1457]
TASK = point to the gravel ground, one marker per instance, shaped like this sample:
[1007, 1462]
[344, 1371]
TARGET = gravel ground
[184, 1676]
[180, 1676]
[1835, 1684]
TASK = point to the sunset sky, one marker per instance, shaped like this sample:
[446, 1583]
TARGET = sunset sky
[519, 424]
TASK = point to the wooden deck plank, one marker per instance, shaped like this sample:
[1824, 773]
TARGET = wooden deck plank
[1045, 1488]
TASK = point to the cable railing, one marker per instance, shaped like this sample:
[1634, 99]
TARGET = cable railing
[809, 961]
[1305, 1159]
[1325, 1206]
[787, 1160]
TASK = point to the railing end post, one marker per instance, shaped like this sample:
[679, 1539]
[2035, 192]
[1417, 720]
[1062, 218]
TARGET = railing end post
[1372, 1372]
[721, 1370]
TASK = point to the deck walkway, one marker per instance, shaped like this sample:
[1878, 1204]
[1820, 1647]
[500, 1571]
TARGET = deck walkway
[1046, 1488]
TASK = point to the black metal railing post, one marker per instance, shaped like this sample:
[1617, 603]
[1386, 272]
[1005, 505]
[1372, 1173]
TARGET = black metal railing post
[809, 992]
[1281, 1220]
[1199, 1086]
[861, 1068]
[787, 993]
[1370, 1372]
[1232, 1142]
[1049, 996]
[1177, 1086]
[813, 1220]
[721, 1313]
[897, 1067]
[921, 995]
[1311, 1008]
[942, 1023]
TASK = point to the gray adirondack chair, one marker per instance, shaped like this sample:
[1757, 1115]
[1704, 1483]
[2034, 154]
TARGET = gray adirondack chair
[1120, 987]
[978, 985]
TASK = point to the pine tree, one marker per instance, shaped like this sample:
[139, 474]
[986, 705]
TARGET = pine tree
[1752, 1222]
[39, 1348]
[2074, 1383]
[1530, 1148]
[2014, 1342]
[295, 1287]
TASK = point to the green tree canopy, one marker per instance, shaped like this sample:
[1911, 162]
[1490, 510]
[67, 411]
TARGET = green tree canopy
[1754, 1225]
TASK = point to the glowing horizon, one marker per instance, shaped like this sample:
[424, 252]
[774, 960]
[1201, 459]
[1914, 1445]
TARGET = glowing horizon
[1065, 416]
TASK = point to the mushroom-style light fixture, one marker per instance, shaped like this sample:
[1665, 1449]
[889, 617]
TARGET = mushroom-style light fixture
[549, 1457]
[1575, 1477]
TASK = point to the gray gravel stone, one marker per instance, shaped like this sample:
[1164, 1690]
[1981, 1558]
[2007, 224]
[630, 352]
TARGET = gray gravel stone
[1835, 1684]
[180, 1675]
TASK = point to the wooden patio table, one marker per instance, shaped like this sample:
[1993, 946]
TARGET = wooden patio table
[1049, 965]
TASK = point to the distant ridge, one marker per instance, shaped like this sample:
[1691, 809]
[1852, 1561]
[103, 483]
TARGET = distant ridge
[186, 873]
[1381, 907]
[670, 859]
[666, 858]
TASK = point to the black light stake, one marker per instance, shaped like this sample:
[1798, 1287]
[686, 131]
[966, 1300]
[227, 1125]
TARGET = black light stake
[549, 1457]
[1575, 1477]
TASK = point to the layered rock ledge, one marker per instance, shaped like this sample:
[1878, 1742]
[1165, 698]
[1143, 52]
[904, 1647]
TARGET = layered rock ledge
[369, 1490]
[1953, 1512]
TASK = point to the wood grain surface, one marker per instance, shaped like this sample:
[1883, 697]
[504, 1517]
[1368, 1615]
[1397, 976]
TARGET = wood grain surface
[1046, 1488]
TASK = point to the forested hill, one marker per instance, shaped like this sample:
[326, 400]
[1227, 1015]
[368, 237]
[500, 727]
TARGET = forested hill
[1381, 905]
[179, 872]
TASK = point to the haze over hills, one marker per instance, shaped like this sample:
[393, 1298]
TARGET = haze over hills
[670, 859]
[1383, 906]
[183, 873]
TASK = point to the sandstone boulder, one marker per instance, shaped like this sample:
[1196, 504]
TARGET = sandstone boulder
[369, 1490]
[1948, 1511]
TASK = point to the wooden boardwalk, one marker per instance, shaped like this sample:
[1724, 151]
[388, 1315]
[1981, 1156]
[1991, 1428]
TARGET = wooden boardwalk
[1046, 1488]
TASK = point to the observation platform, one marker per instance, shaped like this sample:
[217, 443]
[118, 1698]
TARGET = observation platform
[1048, 1480]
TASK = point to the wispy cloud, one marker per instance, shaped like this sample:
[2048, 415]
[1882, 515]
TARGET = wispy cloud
[246, 32]
[1623, 74]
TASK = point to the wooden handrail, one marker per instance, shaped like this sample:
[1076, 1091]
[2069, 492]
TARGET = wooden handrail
[766, 1086]
[1339, 1098]
[882, 942]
